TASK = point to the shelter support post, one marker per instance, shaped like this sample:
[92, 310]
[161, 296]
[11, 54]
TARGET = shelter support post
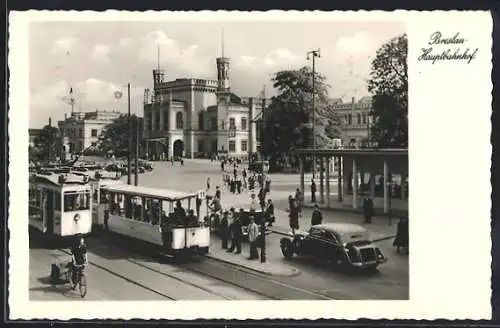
[327, 182]
[354, 183]
[339, 178]
[402, 188]
[302, 173]
[372, 185]
[386, 191]
[322, 180]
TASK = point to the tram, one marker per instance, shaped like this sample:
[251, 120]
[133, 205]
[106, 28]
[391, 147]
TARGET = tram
[60, 204]
[98, 180]
[155, 216]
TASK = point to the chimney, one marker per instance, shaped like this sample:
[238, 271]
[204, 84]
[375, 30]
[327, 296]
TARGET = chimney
[353, 100]
[50, 121]
[65, 116]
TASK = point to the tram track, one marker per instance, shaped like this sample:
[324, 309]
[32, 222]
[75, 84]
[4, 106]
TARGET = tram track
[116, 274]
[261, 280]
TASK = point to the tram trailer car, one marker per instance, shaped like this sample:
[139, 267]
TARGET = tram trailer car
[60, 205]
[148, 215]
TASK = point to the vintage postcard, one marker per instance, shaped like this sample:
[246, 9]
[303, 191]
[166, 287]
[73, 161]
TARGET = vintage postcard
[250, 165]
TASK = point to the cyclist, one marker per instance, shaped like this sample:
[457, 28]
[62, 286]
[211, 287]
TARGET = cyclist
[78, 258]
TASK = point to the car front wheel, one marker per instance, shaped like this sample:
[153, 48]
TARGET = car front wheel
[286, 248]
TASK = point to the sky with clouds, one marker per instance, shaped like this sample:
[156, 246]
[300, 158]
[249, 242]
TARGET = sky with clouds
[98, 58]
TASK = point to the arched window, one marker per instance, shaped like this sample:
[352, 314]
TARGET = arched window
[179, 124]
[201, 126]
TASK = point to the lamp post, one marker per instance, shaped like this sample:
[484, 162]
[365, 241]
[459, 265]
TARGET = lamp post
[314, 54]
[263, 223]
[389, 191]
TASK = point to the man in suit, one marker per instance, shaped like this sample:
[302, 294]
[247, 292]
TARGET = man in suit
[253, 237]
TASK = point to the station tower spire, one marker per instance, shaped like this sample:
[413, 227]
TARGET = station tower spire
[223, 69]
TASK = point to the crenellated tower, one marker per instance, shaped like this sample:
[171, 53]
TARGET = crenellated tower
[223, 70]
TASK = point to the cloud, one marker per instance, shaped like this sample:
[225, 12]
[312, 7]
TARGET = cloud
[276, 59]
[89, 94]
[280, 57]
[100, 53]
[64, 45]
[187, 58]
[359, 43]
[125, 42]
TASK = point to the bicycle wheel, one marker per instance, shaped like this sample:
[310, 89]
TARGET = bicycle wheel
[83, 285]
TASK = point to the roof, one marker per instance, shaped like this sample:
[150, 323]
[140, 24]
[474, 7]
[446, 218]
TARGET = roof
[169, 195]
[342, 227]
[365, 151]
[53, 178]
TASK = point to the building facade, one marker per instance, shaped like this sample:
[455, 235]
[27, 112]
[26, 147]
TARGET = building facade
[81, 130]
[197, 117]
[356, 120]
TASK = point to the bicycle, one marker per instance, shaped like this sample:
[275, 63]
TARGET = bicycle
[81, 280]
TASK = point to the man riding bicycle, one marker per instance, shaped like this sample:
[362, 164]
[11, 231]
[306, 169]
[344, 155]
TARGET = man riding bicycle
[78, 259]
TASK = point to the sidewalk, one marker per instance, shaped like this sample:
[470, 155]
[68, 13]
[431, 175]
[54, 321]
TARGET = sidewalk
[275, 264]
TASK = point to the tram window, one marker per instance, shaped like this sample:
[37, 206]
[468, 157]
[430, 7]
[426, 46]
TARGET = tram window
[137, 208]
[103, 197]
[76, 201]
[128, 207]
[57, 203]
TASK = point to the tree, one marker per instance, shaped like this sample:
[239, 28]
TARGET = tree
[115, 137]
[46, 144]
[288, 117]
[389, 87]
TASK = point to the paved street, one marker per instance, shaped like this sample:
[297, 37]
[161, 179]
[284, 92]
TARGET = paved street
[121, 270]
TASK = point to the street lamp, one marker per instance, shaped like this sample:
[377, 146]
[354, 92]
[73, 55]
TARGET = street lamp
[314, 54]
[389, 191]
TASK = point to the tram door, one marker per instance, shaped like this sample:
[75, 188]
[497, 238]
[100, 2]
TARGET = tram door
[49, 211]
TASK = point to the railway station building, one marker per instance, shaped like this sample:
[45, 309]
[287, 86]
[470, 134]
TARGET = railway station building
[381, 174]
[192, 117]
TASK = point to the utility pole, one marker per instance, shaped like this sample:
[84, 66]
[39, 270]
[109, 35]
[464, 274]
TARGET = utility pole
[129, 180]
[136, 181]
[263, 223]
[314, 53]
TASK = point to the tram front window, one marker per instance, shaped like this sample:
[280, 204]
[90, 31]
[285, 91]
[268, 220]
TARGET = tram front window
[76, 201]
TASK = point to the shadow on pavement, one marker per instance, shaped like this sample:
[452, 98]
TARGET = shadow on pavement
[332, 268]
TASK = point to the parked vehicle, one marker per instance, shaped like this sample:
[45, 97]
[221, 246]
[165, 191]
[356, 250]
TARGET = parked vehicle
[345, 244]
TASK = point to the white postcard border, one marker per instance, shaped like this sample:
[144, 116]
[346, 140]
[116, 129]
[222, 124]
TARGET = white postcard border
[450, 153]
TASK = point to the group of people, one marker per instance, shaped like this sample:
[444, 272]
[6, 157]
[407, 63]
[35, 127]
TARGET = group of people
[231, 232]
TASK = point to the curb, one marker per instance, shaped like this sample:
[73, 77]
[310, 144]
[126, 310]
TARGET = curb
[295, 272]
[395, 213]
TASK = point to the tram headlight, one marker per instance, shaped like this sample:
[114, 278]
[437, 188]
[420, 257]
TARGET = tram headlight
[76, 218]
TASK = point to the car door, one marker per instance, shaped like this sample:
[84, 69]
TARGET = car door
[331, 247]
[311, 243]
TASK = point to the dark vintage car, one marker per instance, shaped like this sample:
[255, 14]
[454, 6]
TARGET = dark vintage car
[345, 244]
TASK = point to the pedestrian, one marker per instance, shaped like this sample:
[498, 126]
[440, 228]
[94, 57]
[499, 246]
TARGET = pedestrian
[208, 183]
[244, 173]
[182, 162]
[222, 166]
[294, 216]
[299, 200]
[262, 199]
[253, 237]
[218, 193]
[313, 191]
[198, 205]
[172, 160]
[253, 202]
[251, 183]
[402, 235]
[270, 212]
[224, 229]
[238, 185]
[368, 209]
[317, 216]
[235, 171]
[232, 186]
[236, 235]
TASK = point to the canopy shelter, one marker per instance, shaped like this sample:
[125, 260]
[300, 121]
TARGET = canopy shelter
[381, 174]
